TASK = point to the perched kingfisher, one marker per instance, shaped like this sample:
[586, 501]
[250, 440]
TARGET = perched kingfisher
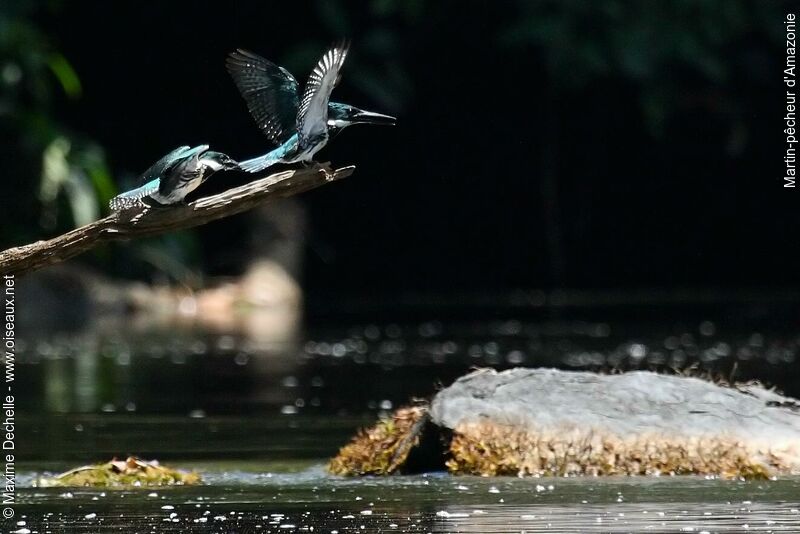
[299, 126]
[174, 176]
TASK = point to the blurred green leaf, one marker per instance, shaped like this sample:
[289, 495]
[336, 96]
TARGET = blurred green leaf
[73, 176]
[65, 74]
[103, 183]
[82, 197]
[69, 171]
[55, 169]
[92, 159]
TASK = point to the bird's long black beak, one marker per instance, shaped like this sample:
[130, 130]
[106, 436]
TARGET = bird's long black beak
[369, 117]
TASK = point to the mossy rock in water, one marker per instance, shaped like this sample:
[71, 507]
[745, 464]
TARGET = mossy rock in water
[382, 449]
[493, 450]
[545, 422]
[132, 472]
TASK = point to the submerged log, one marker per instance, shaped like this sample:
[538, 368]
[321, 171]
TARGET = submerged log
[547, 422]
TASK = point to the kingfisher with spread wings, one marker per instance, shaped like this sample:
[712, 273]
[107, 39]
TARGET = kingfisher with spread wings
[300, 127]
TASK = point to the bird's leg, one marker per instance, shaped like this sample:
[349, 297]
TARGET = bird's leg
[329, 176]
[308, 164]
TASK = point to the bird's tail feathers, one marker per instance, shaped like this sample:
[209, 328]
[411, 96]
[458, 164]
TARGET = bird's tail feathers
[260, 163]
[133, 198]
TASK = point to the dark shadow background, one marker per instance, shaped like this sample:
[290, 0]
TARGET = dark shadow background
[539, 144]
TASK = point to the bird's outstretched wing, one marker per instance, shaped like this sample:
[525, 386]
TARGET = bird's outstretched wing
[312, 116]
[158, 168]
[270, 91]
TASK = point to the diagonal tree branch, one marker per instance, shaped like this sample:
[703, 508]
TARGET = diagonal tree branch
[145, 221]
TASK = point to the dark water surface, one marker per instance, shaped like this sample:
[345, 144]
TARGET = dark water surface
[255, 498]
[259, 419]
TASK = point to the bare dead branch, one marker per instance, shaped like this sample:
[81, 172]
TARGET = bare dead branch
[145, 221]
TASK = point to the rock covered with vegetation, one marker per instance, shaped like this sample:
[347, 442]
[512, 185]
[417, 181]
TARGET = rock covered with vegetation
[132, 472]
[382, 449]
[544, 422]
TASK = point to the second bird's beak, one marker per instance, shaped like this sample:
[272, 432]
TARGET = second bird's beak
[368, 117]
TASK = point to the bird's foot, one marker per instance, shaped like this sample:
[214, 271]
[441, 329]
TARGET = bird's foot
[329, 176]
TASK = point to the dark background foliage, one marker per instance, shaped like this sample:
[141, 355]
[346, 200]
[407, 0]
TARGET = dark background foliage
[543, 144]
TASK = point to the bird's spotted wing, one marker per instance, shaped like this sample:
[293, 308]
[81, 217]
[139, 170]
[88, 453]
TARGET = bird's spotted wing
[312, 116]
[270, 91]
